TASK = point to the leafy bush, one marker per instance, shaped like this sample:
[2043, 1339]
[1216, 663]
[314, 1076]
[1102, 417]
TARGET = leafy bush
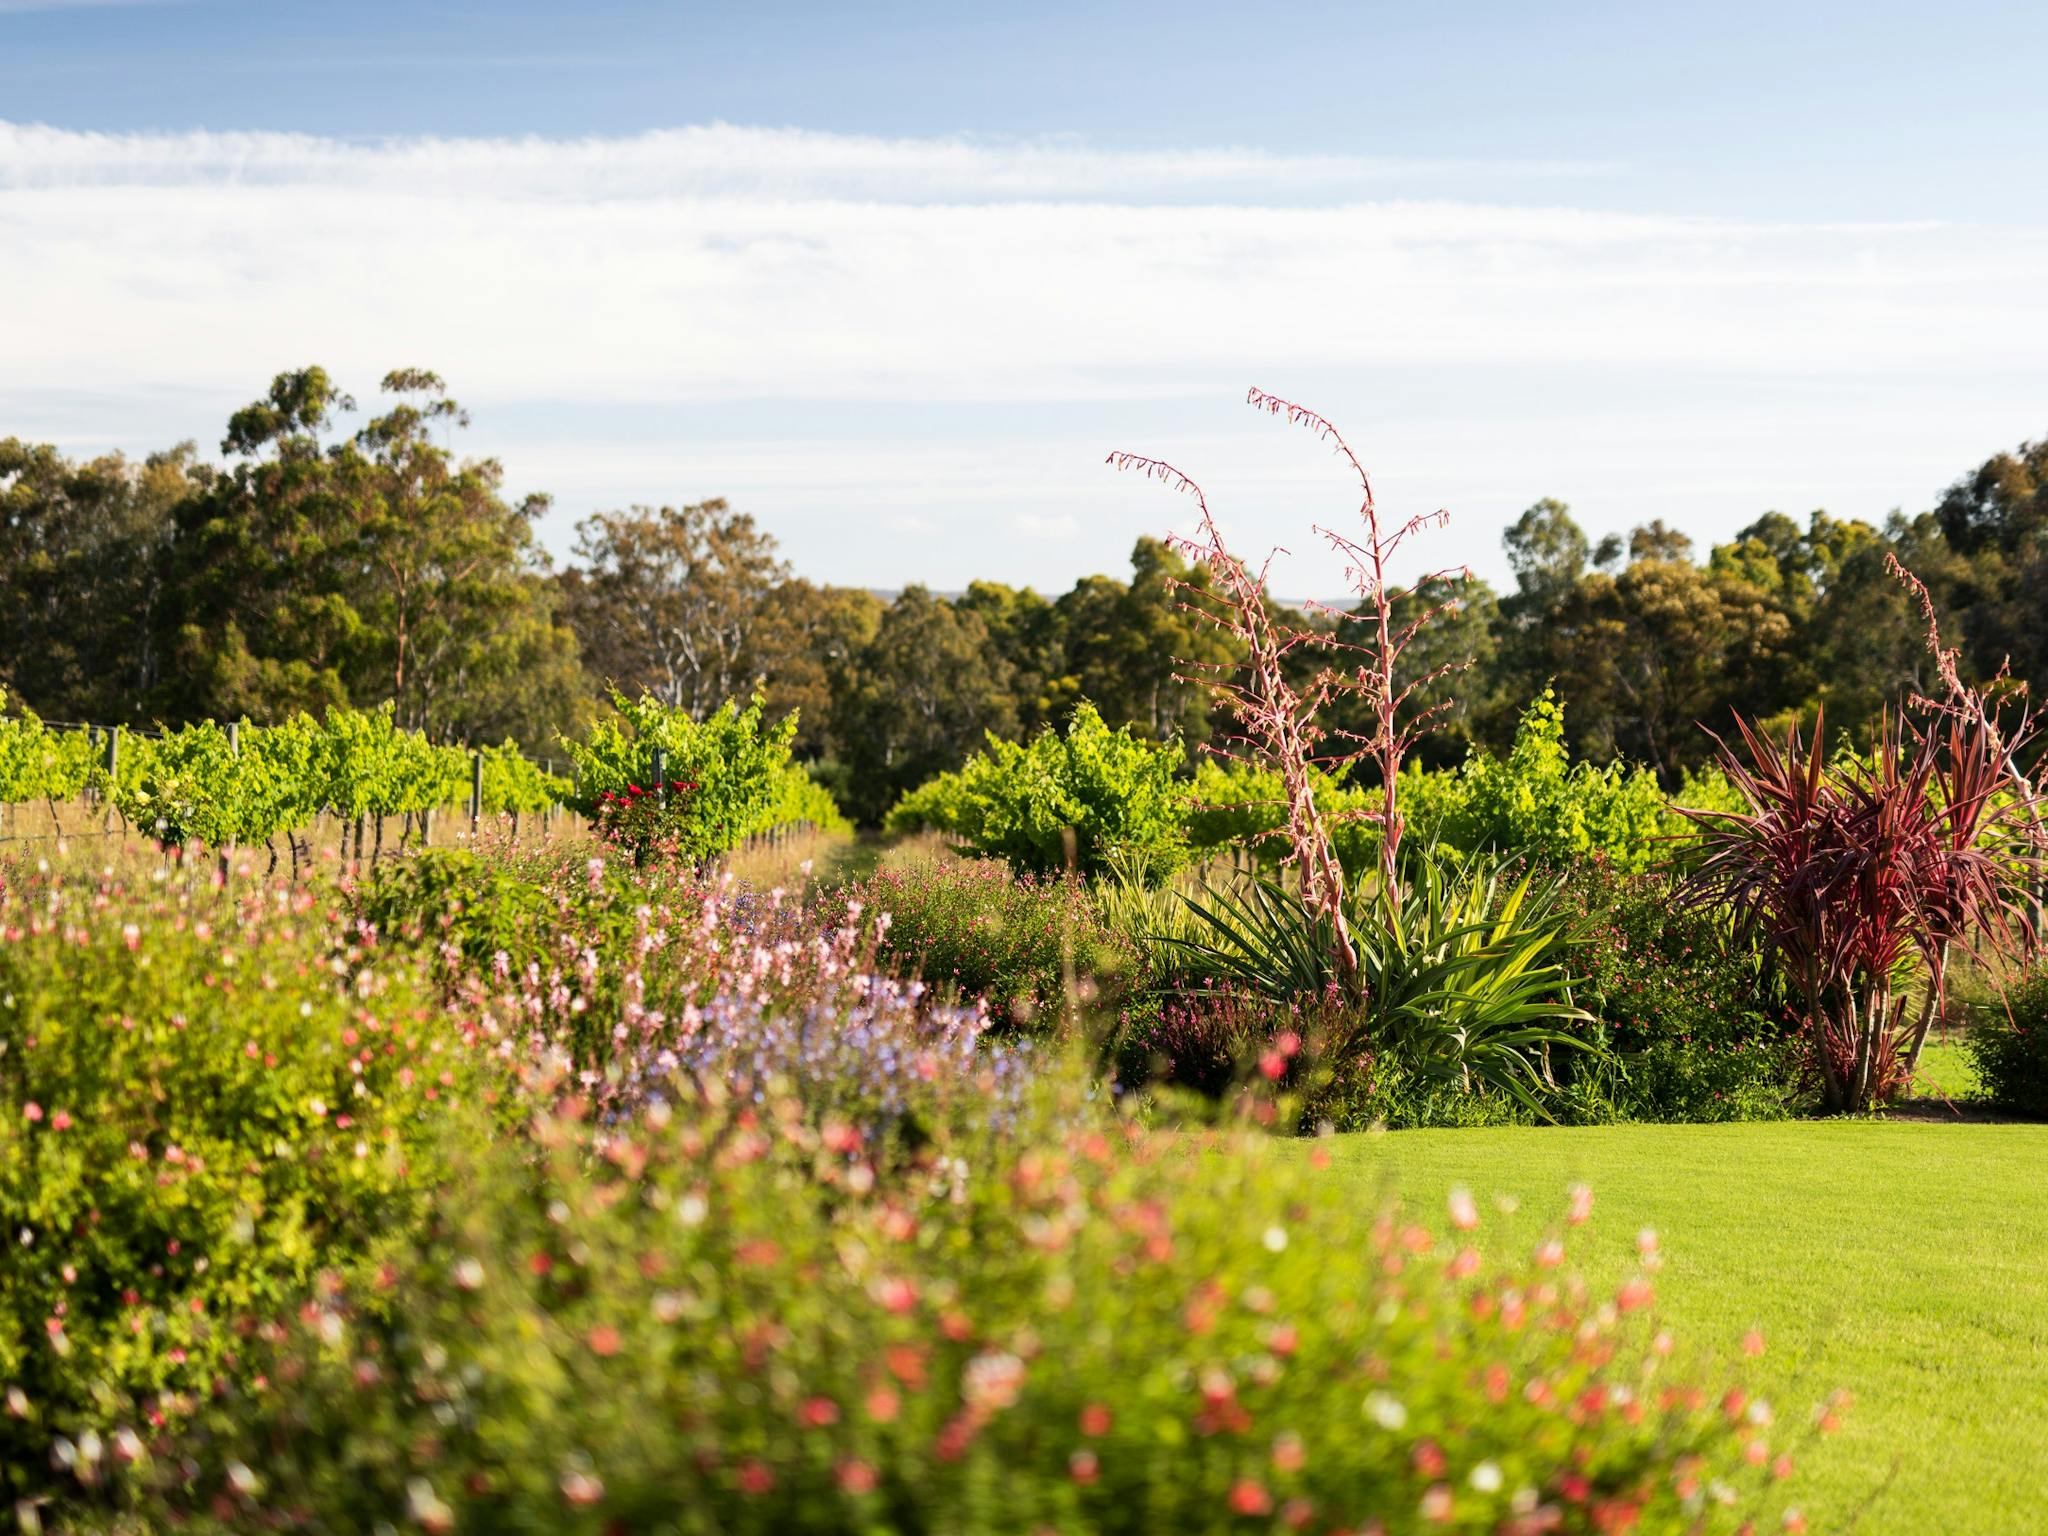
[992, 934]
[1111, 792]
[1694, 1015]
[1232, 804]
[730, 1321]
[937, 805]
[2008, 1047]
[37, 763]
[800, 798]
[515, 783]
[1537, 804]
[731, 762]
[201, 1111]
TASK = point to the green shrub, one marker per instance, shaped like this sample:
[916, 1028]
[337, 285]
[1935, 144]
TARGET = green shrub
[1110, 792]
[37, 763]
[202, 1109]
[937, 805]
[1537, 804]
[1696, 1022]
[515, 783]
[729, 1322]
[724, 774]
[2008, 1047]
[798, 798]
[996, 935]
[1232, 804]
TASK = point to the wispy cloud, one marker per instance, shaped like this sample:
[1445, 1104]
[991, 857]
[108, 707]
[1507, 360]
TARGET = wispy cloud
[719, 263]
[720, 159]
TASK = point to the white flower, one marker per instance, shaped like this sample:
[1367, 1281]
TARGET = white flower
[1385, 1410]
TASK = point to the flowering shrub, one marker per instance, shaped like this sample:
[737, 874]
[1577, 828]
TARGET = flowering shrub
[939, 804]
[616, 987]
[2008, 1046]
[655, 818]
[735, 1319]
[201, 1109]
[1013, 941]
[732, 763]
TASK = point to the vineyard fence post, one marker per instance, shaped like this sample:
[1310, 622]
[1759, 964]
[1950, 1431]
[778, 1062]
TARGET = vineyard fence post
[113, 773]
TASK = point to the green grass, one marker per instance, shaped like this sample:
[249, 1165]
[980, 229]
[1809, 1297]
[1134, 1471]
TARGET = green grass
[1945, 1071]
[1903, 1261]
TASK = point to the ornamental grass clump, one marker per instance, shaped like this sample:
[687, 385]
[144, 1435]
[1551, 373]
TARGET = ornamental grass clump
[730, 1317]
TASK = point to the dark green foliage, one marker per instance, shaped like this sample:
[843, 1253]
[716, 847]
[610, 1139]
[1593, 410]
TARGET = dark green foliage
[2008, 1046]
[1463, 978]
[1697, 1020]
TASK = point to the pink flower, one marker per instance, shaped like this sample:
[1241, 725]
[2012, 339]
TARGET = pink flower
[1464, 1209]
[856, 1476]
[818, 1413]
[32, 1112]
[1250, 1498]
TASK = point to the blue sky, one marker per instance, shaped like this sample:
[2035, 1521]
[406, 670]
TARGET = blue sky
[896, 275]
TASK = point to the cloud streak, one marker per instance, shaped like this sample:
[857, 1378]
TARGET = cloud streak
[720, 159]
[719, 263]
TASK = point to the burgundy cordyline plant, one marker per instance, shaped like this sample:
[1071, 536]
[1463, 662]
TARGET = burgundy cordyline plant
[1867, 875]
[1279, 722]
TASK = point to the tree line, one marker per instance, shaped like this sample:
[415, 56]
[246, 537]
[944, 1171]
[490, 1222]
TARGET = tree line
[323, 563]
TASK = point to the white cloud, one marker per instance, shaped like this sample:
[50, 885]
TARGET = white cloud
[720, 263]
[719, 159]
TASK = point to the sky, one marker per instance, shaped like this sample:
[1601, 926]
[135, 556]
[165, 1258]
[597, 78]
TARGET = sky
[896, 277]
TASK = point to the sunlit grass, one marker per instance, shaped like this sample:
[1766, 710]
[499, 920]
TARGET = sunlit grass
[1902, 1261]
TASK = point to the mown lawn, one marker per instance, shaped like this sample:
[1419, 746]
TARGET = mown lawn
[1907, 1262]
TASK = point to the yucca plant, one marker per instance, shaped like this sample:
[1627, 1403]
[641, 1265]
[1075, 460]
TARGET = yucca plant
[1463, 976]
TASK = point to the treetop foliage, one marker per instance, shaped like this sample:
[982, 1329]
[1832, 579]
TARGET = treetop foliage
[346, 556]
